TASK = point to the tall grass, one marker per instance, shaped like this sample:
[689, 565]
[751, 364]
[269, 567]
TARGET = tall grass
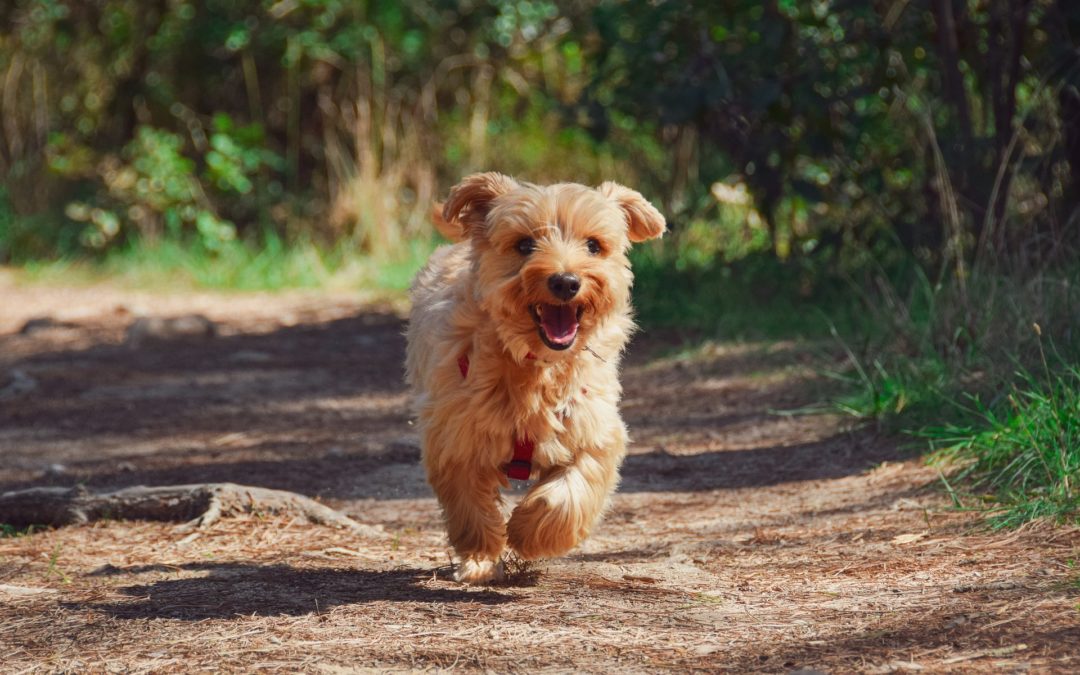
[1024, 451]
[381, 154]
[965, 373]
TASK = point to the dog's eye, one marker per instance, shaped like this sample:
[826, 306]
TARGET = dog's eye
[525, 246]
[594, 247]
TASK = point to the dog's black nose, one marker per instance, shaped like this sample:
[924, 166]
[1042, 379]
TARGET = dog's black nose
[564, 286]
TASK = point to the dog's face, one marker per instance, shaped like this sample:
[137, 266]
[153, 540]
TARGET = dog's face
[550, 262]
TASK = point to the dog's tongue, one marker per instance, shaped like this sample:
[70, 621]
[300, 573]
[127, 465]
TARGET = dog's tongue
[559, 322]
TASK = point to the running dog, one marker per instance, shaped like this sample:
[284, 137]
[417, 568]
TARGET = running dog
[514, 342]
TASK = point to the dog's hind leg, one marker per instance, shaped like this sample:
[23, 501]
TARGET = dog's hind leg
[474, 520]
[558, 512]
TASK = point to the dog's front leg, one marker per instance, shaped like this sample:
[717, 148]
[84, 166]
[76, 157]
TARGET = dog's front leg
[558, 512]
[474, 522]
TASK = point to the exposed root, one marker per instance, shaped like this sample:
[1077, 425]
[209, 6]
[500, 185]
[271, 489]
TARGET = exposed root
[199, 504]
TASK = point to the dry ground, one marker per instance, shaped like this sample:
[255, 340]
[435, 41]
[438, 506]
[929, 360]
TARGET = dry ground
[739, 540]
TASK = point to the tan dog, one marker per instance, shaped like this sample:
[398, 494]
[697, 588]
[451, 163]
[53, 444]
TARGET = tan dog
[514, 345]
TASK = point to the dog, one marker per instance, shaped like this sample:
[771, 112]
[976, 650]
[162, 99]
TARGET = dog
[514, 342]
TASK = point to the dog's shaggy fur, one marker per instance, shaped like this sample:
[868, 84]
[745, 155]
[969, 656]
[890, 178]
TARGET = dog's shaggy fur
[516, 333]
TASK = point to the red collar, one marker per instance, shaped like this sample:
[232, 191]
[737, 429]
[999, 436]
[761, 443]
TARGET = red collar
[520, 465]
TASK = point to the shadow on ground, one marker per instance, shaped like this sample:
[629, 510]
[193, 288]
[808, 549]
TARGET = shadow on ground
[903, 640]
[365, 475]
[321, 409]
[213, 386]
[835, 457]
[244, 589]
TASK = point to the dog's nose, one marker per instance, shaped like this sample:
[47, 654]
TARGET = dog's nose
[564, 286]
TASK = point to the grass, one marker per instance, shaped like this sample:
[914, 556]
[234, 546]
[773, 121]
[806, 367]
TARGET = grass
[972, 383]
[892, 392]
[54, 566]
[754, 298]
[10, 531]
[1025, 451]
[681, 283]
[267, 265]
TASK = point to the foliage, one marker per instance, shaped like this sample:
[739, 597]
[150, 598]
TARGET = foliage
[756, 297]
[10, 531]
[1025, 450]
[853, 121]
[328, 119]
[894, 391]
[152, 187]
[948, 126]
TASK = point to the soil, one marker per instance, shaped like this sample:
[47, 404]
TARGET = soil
[749, 533]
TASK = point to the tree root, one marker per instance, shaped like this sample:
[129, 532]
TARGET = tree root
[199, 504]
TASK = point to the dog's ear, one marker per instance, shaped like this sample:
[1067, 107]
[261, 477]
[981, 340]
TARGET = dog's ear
[469, 203]
[449, 229]
[643, 221]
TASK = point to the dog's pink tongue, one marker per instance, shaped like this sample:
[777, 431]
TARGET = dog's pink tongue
[559, 322]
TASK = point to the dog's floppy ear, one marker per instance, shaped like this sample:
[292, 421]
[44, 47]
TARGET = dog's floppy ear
[469, 203]
[449, 229]
[643, 221]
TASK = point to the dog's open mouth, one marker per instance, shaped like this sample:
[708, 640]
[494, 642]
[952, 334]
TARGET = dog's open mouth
[558, 324]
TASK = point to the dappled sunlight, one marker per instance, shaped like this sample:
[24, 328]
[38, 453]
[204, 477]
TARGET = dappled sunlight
[852, 431]
[771, 539]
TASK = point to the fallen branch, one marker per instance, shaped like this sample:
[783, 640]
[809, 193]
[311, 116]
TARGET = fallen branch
[200, 505]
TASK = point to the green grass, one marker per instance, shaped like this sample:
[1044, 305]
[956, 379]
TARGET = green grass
[10, 531]
[754, 298]
[1008, 443]
[1015, 456]
[267, 265]
[894, 393]
[54, 566]
[1024, 451]
[957, 367]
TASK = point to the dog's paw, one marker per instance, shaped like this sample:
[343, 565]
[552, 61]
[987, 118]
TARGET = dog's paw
[474, 571]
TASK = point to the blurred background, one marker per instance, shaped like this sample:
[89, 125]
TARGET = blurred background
[942, 133]
[901, 174]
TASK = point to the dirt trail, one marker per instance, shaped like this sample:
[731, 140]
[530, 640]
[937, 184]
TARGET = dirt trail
[740, 539]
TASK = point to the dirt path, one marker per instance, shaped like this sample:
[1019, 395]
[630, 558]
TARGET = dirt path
[739, 540]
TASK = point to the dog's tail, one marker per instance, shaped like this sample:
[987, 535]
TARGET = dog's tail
[451, 229]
